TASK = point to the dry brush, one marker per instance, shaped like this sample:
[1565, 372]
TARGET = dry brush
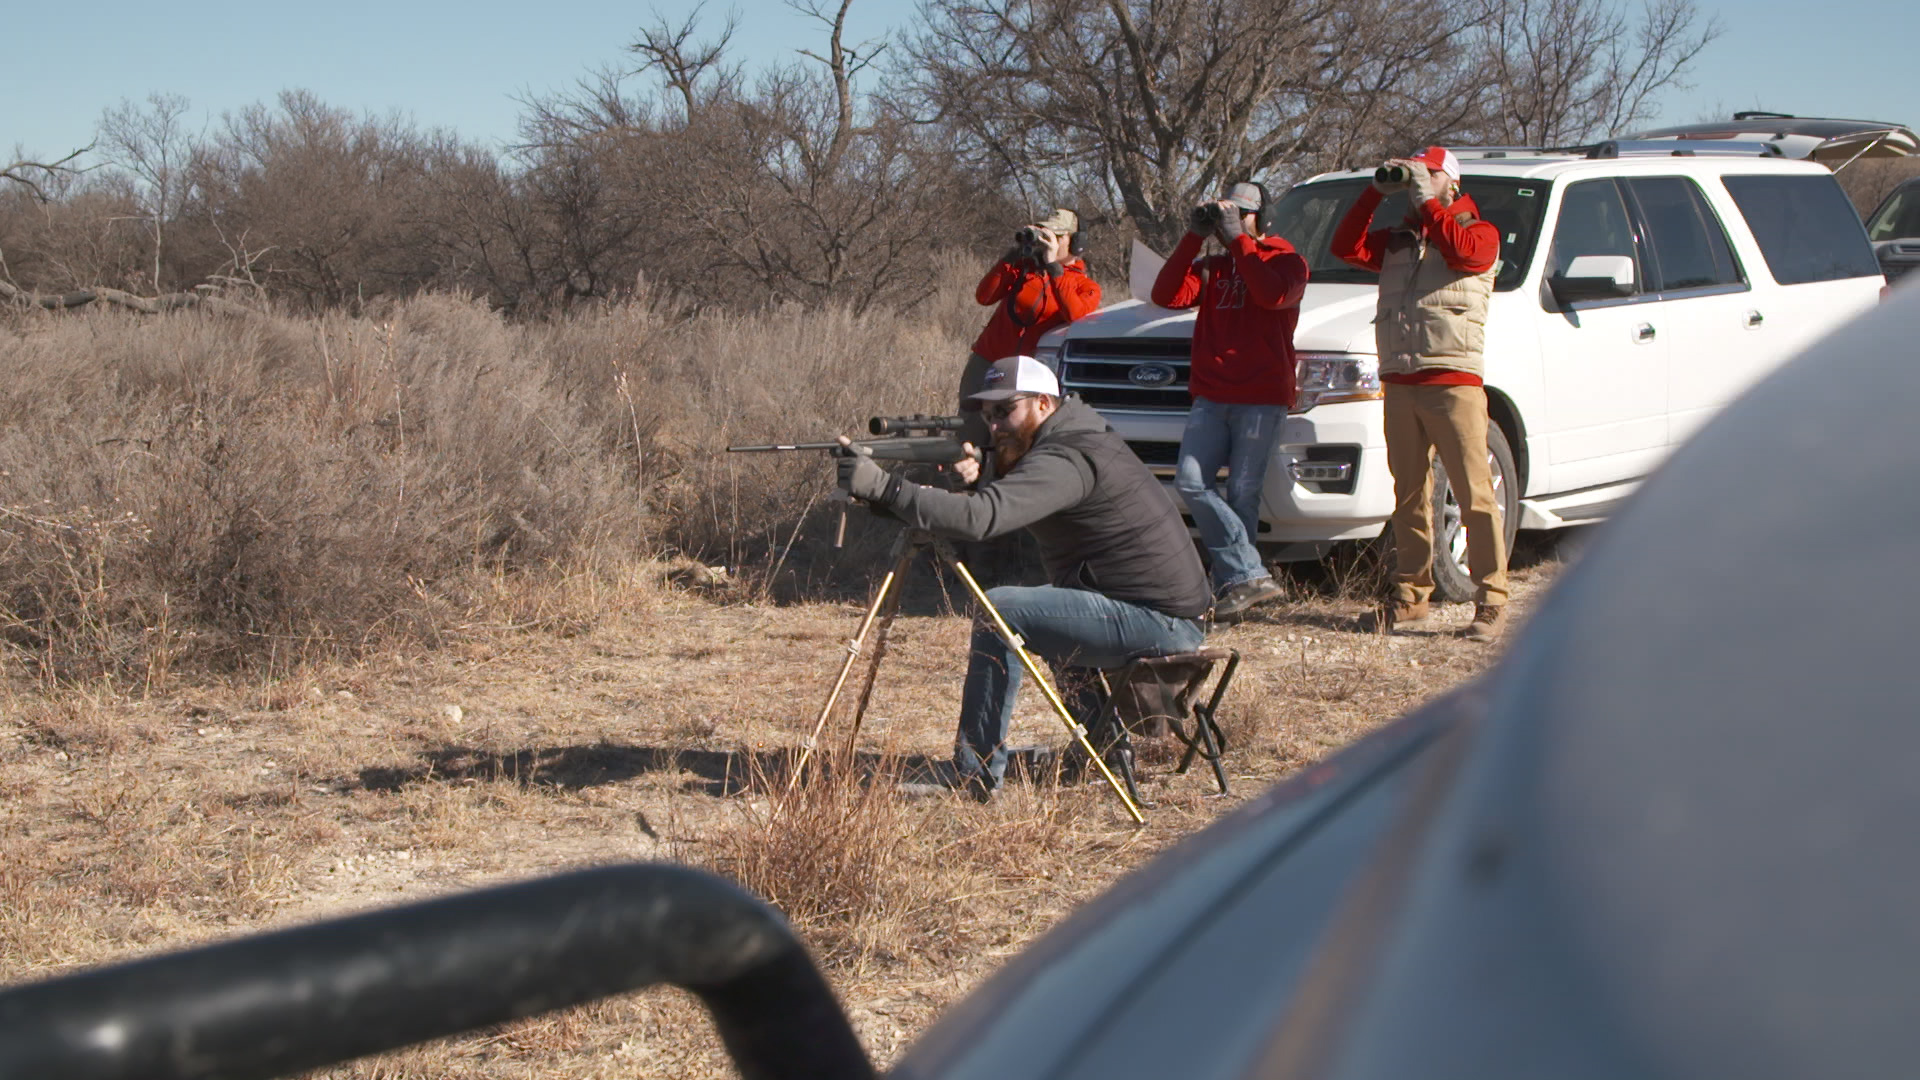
[185, 488]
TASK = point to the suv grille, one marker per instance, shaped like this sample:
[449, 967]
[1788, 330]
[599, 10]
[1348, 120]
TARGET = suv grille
[1107, 372]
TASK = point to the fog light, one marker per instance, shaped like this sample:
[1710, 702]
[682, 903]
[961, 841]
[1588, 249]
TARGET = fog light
[1321, 472]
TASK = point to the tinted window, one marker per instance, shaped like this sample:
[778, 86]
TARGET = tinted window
[1898, 217]
[1307, 214]
[1807, 229]
[1593, 221]
[1689, 247]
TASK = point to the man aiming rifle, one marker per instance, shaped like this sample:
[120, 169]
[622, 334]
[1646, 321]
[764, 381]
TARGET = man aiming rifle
[1124, 580]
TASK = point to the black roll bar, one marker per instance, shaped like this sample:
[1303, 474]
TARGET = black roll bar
[293, 1000]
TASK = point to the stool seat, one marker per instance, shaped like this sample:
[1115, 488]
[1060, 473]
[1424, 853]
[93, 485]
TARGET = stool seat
[1154, 695]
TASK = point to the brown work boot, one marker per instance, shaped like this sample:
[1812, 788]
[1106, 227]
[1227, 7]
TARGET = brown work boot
[1487, 621]
[1396, 615]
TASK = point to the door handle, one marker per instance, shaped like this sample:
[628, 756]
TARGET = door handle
[1754, 319]
[1643, 333]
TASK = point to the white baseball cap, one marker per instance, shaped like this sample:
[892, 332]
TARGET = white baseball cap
[1441, 158]
[1018, 375]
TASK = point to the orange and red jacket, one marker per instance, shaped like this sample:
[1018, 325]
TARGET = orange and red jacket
[1467, 243]
[1032, 302]
[1249, 304]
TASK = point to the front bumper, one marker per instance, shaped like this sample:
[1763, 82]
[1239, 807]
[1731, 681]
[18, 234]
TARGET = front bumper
[1320, 441]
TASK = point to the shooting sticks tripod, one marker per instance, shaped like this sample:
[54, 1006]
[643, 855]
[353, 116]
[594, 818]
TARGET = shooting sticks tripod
[879, 623]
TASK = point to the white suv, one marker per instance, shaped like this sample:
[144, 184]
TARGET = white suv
[1640, 289]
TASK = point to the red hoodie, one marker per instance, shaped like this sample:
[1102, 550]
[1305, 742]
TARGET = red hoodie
[1031, 303]
[1467, 243]
[1243, 335]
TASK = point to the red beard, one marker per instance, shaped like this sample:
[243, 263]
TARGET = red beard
[1008, 451]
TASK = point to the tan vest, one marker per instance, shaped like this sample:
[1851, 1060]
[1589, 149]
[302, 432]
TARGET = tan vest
[1430, 315]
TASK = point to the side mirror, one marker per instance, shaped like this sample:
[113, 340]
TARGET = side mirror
[1594, 277]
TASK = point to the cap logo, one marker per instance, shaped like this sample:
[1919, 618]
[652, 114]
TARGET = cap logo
[995, 375]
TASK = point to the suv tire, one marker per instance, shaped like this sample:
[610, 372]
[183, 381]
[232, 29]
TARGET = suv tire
[1451, 582]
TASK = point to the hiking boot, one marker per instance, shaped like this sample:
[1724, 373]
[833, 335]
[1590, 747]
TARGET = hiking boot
[1486, 624]
[1235, 601]
[1396, 615]
[979, 786]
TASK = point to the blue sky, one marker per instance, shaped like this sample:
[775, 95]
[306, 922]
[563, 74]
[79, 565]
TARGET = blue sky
[461, 66]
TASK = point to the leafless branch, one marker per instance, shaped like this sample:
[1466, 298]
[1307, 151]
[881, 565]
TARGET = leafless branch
[32, 174]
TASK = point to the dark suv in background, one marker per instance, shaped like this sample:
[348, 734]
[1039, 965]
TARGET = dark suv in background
[1894, 229]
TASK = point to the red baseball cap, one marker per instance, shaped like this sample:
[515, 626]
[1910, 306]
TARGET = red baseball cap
[1441, 158]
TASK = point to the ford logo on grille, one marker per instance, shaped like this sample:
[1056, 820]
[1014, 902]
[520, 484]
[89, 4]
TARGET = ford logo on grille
[1150, 375]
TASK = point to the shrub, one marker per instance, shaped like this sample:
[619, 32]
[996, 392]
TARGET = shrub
[221, 491]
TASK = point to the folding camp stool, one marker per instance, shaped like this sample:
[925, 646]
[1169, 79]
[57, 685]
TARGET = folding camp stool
[1157, 694]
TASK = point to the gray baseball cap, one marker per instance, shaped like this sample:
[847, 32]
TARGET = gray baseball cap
[1244, 196]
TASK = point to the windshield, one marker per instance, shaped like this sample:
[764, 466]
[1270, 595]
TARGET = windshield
[1306, 216]
[1897, 218]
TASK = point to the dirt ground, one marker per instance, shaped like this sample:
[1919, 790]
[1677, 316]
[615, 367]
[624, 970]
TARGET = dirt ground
[131, 824]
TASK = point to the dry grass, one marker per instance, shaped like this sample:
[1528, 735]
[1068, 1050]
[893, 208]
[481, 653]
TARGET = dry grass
[131, 823]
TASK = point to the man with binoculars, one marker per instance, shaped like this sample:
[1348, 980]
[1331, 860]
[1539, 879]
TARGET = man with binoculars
[1436, 272]
[1241, 378]
[1037, 285]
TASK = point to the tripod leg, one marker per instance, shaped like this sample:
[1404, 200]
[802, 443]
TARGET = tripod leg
[881, 599]
[1040, 679]
[880, 639]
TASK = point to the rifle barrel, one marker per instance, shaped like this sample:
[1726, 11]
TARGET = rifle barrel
[925, 449]
[783, 446]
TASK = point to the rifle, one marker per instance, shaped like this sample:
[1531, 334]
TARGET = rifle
[917, 439]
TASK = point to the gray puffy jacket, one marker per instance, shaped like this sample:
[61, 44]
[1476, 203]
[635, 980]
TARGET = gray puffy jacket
[1103, 522]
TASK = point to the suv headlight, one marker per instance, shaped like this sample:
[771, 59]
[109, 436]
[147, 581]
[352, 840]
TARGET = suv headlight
[1324, 378]
[1048, 355]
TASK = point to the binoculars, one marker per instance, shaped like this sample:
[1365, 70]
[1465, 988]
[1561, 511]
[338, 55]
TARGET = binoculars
[1393, 174]
[1210, 215]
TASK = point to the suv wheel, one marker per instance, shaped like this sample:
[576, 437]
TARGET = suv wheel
[1451, 582]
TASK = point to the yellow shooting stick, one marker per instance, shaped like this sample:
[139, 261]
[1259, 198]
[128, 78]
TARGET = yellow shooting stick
[1027, 661]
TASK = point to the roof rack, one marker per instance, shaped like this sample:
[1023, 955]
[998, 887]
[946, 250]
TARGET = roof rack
[1833, 142]
[1617, 148]
[1509, 151]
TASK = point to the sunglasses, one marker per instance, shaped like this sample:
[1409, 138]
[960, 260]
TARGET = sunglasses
[1001, 410]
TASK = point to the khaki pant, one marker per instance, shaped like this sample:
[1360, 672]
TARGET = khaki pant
[1450, 420]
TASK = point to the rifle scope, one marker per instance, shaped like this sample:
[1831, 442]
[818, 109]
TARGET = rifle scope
[918, 422]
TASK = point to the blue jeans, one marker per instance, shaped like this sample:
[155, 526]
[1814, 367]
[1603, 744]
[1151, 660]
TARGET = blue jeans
[1241, 437]
[1068, 628]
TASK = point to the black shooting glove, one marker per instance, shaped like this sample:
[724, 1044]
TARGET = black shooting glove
[864, 480]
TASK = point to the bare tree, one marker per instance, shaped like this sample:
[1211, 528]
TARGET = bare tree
[685, 66]
[798, 187]
[336, 197]
[151, 144]
[1561, 72]
[1161, 102]
[34, 175]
